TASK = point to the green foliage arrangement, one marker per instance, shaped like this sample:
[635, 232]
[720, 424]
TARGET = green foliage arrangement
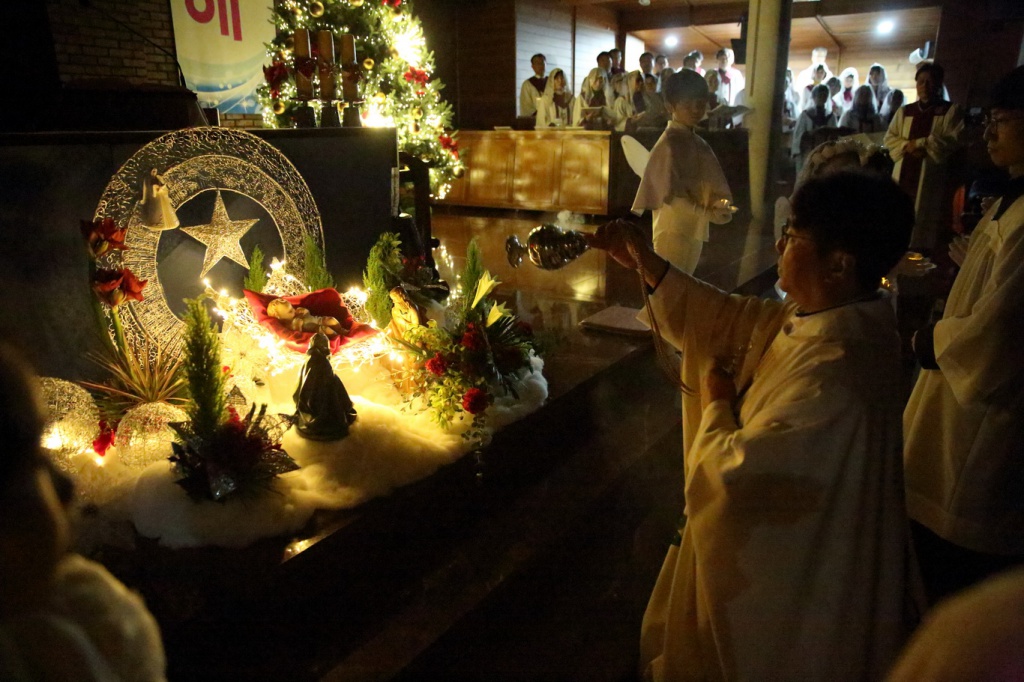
[203, 371]
[317, 277]
[256, 278]
[381, 275]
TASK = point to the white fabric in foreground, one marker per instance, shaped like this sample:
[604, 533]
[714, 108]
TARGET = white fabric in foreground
[386, 448]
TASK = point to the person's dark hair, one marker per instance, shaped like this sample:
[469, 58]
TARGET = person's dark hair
[21, 415]
[938, 73]
[684, 85]
[722, 52]
[647, 54]
[603, 54]
[614, 50]
[833, 81]
[661, 56]
[696, 54]
[1008, 93]
[650, 76]
[820, 87]
[538, 55]
[864, 214]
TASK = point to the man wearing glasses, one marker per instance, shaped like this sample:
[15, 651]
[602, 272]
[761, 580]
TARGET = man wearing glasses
[964, 424]
[793, 560]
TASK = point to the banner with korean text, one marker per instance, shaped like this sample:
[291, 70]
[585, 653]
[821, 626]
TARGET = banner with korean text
[221, 49]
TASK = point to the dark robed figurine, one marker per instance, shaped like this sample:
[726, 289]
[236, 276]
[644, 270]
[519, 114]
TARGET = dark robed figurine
[323, 410]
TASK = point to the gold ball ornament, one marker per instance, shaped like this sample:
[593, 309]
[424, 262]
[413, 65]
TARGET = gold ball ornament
[72, 424]
[459, 171]
[393, 52]
[316, 9]
[278, 107]
[380, 98]
[368, 63]
[144, 437]
[416, 113]
[356, 3]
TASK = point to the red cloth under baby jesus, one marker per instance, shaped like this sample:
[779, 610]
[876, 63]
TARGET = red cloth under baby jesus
[323, 303]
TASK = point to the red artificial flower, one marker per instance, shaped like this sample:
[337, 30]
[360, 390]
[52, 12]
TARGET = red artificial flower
[102, 235]
[132, 286]
[414, 75]
[472, 340]
[104, 440]
[276, 74]
[392, 3]
[107, 285]
[114, 287]
[437, 365]
[475, 401]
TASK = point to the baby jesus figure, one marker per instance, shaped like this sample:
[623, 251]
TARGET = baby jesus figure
[301, 320]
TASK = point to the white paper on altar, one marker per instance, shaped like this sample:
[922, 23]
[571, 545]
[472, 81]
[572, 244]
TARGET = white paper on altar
[221, 49]
[386, 448]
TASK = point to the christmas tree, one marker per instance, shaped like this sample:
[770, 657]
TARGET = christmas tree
[393, 69]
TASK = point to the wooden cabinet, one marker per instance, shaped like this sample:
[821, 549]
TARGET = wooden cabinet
[535, 170]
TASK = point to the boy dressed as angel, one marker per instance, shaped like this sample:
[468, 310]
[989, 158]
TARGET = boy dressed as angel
[683, 184]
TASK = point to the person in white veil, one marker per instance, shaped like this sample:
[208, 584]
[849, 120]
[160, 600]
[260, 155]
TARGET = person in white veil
[862, 116]
[554, 109]
[879, 83]
[627, 87]
[593, 108]
[849, 81]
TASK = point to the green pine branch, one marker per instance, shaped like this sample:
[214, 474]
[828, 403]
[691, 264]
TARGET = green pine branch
[317, 276]
[203, 371]
[256, 278]
[471, 273]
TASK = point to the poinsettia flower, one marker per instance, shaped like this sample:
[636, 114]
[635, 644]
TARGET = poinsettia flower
[475, 400]
[102, 235]
[104, 440]
[485, 286]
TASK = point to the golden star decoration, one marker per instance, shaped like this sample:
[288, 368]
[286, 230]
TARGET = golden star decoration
[220, 236]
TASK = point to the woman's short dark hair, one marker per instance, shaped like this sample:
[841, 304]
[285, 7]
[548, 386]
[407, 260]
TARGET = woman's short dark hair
[684, 85]
[938, 73]
[863, 214]
[696, 54]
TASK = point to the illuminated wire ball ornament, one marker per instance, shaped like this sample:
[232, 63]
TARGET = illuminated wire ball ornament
[191, 162]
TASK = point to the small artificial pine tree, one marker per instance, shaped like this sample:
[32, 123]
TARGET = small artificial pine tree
[256, 278]
[471, 275]
[394, 75]
[203, 371]
[317, 276]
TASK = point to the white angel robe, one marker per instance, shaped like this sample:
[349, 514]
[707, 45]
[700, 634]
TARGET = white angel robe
[529, 94]
[964, 423]
[793, 561]
[91, 629]
[928, 181]
[682, 179]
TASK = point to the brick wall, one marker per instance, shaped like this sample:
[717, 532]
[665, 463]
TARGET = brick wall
[89, 44]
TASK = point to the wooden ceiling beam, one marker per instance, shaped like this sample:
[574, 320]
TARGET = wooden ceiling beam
[831, 34]
[828, 8]
[646, 19]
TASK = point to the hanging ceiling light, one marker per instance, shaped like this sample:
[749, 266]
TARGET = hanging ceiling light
[645, 3]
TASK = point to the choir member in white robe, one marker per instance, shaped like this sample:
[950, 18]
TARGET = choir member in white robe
[921, 139]
[849, 81]
[964, 423]
[818, 115]
[533, 87]
[862, 117]
[62, 617]
[625, 85]
[555, 107]
[808, 76]
[879, 83]
[794, 562]
[683, 184]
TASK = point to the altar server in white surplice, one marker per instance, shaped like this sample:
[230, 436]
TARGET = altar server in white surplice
[683, 184]
[964, 424]
[793, 560]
